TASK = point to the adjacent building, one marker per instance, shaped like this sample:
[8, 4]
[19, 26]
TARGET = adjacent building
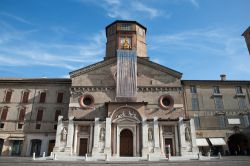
[125, 105]
[246, 35]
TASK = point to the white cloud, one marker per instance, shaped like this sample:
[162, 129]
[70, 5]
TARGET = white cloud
[129, 9]
[152, 12]
[17, 18]
[215, 50]
[18, 49]
[195, 3]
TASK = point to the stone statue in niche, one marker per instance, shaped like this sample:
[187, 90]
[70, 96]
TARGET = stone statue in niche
[102, 135]
[187, 134]
[64, 134]
[150, 134]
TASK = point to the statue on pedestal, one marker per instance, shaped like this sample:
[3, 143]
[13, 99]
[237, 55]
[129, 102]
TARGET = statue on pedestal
[64, 134]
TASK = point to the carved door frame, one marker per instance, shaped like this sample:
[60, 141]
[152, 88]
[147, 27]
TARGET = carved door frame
[130, 127]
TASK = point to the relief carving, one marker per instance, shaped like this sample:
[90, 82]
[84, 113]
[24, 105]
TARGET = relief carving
[127, 113]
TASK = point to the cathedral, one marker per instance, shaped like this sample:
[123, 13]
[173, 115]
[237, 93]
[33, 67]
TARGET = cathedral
[124, 106]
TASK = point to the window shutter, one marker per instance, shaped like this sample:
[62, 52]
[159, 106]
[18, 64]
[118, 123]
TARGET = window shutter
[57, 113]
[246, 121]
[39, 116]
[25, 97]
[60, 97]
[8, 96]
[222, 122]
[195, 104]
[242, 103]
[197, 121]
[42, 97]
[22, 114]
[4, 114]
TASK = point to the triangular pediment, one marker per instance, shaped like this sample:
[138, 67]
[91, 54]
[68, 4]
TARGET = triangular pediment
[92, 67]
[159, 67]
[110, 61]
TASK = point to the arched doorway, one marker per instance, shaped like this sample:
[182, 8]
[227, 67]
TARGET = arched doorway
[35, 147]
[126, 143]
[237, 144]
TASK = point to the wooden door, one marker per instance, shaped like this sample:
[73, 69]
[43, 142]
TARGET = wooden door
[126, 143]
[51, 146]
[168, 141]
[1, 145]
[83, 146]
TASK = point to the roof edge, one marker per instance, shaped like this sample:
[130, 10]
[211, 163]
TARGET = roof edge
[126, 21]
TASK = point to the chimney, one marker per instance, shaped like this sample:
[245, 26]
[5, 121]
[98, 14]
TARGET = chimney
[223, 77]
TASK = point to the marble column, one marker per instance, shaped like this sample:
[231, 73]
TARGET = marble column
[90, 139]
[181, 133]
[58, 134]
[70, 135]
[75, 139]
[156, 135]
[96, 136]
[115, 140]
[108, 137]
[195, 148]
[157, 153]
[144, 137]
[176, 140]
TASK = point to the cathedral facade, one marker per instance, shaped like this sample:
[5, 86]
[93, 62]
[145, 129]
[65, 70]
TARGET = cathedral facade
[124, 106]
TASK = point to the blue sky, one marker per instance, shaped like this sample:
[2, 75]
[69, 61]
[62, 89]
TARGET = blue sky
[49, 38]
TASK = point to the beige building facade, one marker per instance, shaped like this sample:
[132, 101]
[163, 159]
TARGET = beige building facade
[220, 109]
[124, 106]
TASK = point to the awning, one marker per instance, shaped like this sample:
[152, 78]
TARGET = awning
[16, 138]
[201, 142]
[234, 121]
[217, 141]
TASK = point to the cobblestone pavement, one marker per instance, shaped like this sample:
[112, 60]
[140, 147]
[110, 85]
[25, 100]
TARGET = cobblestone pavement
[225, 161]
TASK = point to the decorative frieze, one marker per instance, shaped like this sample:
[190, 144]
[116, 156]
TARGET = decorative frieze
[158, 89]
[78, 91]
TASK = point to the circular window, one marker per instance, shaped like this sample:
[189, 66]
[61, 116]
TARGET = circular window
[166, 102]
[86, 101]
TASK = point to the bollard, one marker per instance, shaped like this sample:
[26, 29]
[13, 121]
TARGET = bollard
[51, 154]
[219, 155]
[34, 156]
[236, 153]
[106, 157]
[208, 154]
[54, 156]
[148, 157]
[199, 156]
[86, 156]
[43, 154]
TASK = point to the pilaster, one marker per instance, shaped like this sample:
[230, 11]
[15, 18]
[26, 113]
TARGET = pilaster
[75, 139]
[96, 137]
[195, 148]
[70, 135]
[58, 134]
[108, 138]
[156, 136]
[144, 137]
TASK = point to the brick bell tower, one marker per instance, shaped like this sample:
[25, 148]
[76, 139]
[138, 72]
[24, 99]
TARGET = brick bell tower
[246, 35]
[126, 42]
[125, 35]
